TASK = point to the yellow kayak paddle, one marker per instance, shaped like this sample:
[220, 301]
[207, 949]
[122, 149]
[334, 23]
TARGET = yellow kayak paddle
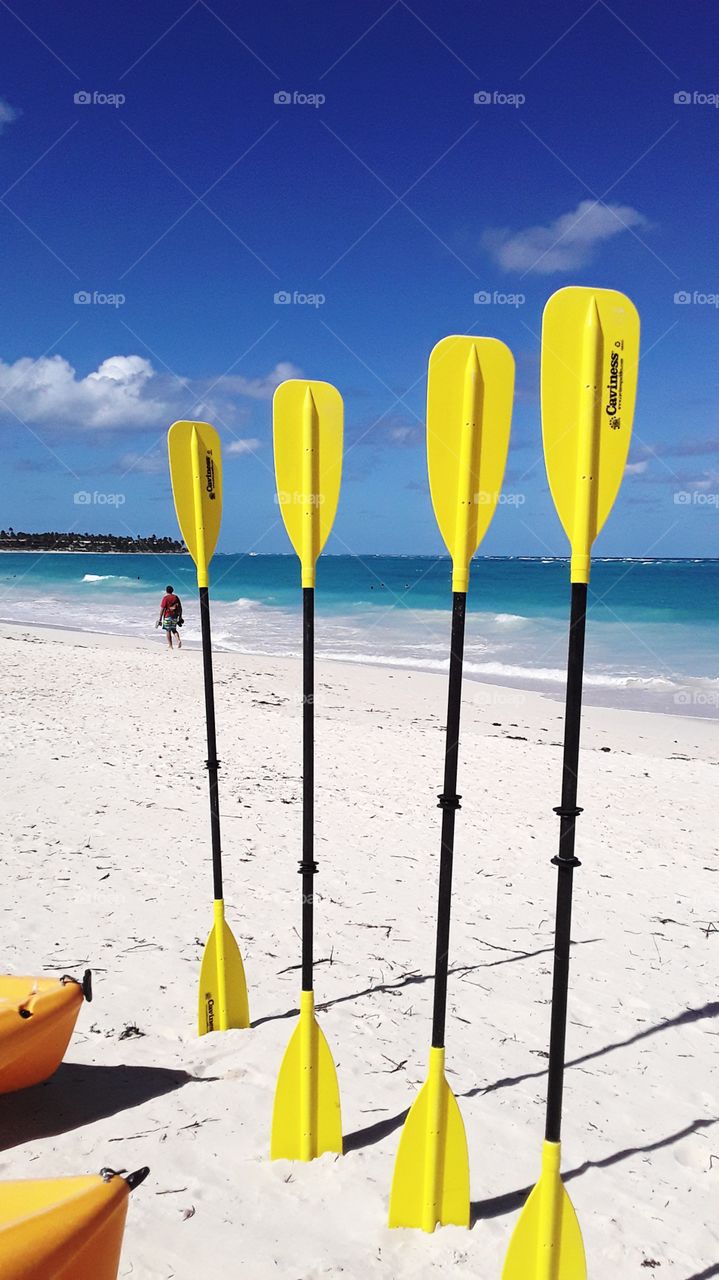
[307, 416]
[469, 411]
[196, 474]
[590, 353]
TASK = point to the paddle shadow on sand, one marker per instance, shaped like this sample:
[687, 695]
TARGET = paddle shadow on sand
[514, 1200]
[78, 1094]
[381, 1129]
[683, 1019]
[413, 979]
[374, 1132]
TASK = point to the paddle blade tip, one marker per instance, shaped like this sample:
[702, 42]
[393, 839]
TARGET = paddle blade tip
[470, 388]
[308, 418]
[547, 1241]
[195, 458]
[589, 367]
[306, 1114]
[430, 1185]
[210, 1014]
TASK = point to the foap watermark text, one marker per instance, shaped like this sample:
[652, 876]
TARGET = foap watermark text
[683, 298]
[285, 298]
[696, 698]
[495, 98]
[83, 498]
[84, 298]
[285, 98]
[85, 98]
[696, 498]
[695, 98]
[286, 499]
[486, 499]
[485, 298]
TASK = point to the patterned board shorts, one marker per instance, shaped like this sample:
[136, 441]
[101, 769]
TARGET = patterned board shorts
[169, 624]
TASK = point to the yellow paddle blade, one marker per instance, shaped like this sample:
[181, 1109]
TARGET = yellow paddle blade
[469, 412]
[223, 999]
[431, 1172]
[590, 356]
[306, 1119]
[196, 475]
[308, 425]
[547, 1243]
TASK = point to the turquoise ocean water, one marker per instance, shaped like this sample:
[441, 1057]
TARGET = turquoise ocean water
[651, 640]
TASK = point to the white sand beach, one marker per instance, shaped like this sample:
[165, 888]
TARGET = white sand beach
[107, 864]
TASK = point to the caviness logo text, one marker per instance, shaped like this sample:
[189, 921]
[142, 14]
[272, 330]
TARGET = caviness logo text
[614, 388]
[210, 475]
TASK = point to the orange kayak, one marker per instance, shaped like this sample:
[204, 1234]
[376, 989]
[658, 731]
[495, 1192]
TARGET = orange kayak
[64, 1228]
[37, 1017]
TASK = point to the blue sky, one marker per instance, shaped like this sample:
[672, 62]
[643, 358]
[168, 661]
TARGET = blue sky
[198, 198]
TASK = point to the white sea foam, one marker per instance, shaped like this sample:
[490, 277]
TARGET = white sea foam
[111, 577]
[555, 675]
[389, 660]
[502, 648]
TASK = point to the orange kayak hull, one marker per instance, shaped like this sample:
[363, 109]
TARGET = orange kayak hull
[37, 1018]
[62, 1228]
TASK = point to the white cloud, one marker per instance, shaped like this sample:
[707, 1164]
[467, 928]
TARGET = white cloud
[636, 468]
[709, 480]
[7, 114]
[687, 448]
[123, 392]
[405, 435]
[565, 244]
[261, 388]
[237, 447]
[148, 464]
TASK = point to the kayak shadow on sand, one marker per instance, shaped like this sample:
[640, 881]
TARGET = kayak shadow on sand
[78, 1094]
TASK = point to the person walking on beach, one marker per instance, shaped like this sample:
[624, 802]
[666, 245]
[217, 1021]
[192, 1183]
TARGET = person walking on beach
[170, 616]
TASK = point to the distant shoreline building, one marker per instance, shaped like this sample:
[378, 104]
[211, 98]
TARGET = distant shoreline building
[10, 540]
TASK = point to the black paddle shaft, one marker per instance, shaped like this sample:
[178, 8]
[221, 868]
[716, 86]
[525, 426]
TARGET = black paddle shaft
[308, 866]
[449, 804]
[565, 860]
[212, 762]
